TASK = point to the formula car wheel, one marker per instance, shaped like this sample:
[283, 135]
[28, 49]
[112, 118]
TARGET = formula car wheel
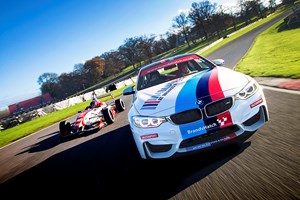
[108, 115]
[64, 128]
[120, 105]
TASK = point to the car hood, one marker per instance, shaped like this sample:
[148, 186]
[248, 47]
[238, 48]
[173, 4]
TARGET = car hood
[183, 93]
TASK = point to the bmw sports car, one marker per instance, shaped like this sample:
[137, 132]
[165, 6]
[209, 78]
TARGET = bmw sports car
[188, 103]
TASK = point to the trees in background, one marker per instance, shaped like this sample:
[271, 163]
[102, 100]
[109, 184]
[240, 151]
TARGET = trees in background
[181, 24]
[67, 84]
[203, 21]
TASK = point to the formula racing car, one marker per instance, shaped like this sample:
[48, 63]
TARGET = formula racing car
[97, 115]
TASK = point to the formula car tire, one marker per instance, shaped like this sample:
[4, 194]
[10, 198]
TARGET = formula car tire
[120, 105]
[64, 128]
[108, 115]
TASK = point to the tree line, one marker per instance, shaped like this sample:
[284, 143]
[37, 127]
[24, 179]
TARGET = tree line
[203, 21]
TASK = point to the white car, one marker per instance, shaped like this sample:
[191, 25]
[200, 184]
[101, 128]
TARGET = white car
[199, 108]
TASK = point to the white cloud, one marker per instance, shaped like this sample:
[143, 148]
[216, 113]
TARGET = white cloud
[185, 11]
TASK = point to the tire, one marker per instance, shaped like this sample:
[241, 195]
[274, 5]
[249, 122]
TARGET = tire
[64, 128]
[120, 105]
[112, 87]
[108, 115]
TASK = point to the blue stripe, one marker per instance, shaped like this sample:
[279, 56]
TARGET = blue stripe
[202, 89]
[202, 92]
[148, 108]
[187, 95]
[152, 104]
[185, 100]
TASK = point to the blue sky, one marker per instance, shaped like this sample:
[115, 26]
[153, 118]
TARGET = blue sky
[38, 36]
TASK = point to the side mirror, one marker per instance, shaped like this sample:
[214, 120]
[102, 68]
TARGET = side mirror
[218, 62]
[129, 90]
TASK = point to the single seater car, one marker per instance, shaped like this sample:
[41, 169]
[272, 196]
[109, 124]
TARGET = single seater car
[97, 115]
[188, 103]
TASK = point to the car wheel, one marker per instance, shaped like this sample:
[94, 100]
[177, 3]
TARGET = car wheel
[120, 105]
[108, 115]
[64, 128]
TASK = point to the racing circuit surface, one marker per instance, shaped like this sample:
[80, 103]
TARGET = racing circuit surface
[106, 164]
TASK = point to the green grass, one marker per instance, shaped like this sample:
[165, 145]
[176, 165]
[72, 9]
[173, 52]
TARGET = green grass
[275, 53]
[12, 134]
[240, 33]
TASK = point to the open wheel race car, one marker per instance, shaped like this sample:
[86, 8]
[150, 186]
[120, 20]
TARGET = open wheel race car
[91, 119]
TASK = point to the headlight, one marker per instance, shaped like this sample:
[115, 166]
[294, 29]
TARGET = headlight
[148, 122]
[247, 91]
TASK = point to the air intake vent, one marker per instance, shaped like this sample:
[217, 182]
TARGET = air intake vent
[186, 116]
[218, 107]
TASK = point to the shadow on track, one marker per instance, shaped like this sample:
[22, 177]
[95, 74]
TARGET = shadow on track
[110, 166]
[54, 140]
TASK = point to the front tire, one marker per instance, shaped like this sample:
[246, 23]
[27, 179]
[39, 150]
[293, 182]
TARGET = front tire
[120, 105]
[108, 115]
[65, 128]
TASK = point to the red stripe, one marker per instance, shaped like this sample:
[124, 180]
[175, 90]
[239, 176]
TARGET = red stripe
[229, 136]
[154, 101]
[214, 86]
[257, 102]
[82, 121]
[216, 93]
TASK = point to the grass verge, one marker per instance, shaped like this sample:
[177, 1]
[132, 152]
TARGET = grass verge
[275, 53]
[12, 134]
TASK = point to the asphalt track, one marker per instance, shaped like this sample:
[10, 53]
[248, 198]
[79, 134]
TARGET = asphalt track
[106, 164]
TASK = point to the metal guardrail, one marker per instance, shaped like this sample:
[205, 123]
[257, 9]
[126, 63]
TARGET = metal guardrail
[105, 95]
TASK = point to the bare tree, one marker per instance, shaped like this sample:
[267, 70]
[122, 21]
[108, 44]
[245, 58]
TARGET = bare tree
[197, 18]
[160, 46]
[243, 11]
[272, 5]
[47, 77]
[113, 63]
[214, 17]
[128, 51]
[93, 70]
[172, 40]
[78, 67]
[180, 22]
[49, 83]
[52, 88]
[232, 14]
[145, 47]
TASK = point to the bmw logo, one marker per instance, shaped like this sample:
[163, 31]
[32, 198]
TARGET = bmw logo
[199, 102]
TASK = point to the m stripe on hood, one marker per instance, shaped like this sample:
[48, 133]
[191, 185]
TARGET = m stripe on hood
[208, 89]
[185, 97]
[203, 93]
[216, 93]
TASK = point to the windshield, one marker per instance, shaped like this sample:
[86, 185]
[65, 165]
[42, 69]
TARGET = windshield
[170, 70]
